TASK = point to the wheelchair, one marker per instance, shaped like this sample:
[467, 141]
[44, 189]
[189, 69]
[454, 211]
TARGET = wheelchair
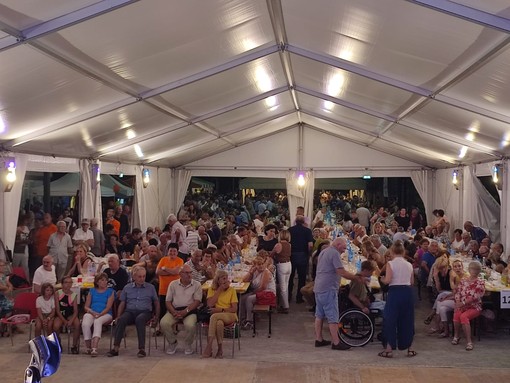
[355, 328]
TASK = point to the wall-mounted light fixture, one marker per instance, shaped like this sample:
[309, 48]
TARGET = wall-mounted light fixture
[146, 177]
[10, 175]
[497, 174]
[301, 180]
[455, 179]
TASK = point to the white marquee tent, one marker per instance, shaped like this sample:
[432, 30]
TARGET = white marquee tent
[258, 88]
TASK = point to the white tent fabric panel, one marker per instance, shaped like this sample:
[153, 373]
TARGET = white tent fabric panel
[448, 198]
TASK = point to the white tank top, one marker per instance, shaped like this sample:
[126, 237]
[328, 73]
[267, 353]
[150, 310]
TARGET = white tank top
[402, 271]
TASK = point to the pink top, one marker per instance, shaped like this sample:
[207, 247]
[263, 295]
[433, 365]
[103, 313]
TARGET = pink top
[470, 290]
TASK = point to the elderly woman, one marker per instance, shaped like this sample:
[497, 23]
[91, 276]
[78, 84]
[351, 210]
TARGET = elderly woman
[222, 301]
[378, 229]
[261, 280]
[468, 303]
[98, 312]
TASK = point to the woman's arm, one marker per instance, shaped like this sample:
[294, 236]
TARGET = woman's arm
[88, 301]
[389, 274]
[266, 277]
[58, 314]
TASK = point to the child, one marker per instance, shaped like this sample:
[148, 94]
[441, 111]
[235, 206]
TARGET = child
[66, 313]
[45, 305]
[5, 288]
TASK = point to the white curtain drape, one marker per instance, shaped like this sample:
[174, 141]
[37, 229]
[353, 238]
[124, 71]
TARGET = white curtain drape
[448, 198]
[479, 206]
[10, 202]
[423, 182]
[181, 180]
[505, 208]
[90, 198]
[300, 196]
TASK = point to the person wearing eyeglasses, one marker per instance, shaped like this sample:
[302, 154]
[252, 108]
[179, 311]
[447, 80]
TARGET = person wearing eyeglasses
[182, 299]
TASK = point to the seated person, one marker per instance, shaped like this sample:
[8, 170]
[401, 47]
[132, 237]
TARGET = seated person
[44, 274]
[138, 304]
[118, 277]
[81, 261]
[66, 313]
[5, 288]
[98, 312]
[208, 264]
[195, 264]
[222, 300]
[150, 263]
[45, 305]
[182, 299]
[359, 292]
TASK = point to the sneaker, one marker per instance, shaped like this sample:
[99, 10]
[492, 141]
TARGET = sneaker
[340, 346]
[188, 350]
[248, 326]
[322, 343]
[141, 354]
[111, 353]
[172, 348]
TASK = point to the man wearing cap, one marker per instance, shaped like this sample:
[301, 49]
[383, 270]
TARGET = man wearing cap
[83, 234]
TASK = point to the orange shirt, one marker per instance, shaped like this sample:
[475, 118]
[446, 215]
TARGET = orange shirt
[115, 224]
[164, 280]
[41, 239]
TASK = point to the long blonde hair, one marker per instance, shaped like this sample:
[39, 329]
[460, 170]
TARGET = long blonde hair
[219, 273]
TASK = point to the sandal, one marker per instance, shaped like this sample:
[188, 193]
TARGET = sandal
[93, 353]
[385, 354]
[444, 335]
[455, 340]
[411, 353]
[433, 330]
[469, 347]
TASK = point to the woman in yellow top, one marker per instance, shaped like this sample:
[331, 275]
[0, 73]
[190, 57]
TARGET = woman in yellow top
[222, 301]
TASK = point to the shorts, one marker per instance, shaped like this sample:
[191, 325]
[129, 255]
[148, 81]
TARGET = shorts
[326, 306]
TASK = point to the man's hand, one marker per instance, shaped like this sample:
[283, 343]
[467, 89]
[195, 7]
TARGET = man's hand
[366, 310]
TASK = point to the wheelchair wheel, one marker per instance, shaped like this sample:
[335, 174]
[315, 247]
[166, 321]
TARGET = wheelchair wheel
[355, 328]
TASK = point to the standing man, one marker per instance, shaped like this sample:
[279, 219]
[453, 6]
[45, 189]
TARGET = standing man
[477, 233]
[60, 247]
[178, 236]
[182, 299]
[301, 241]
[138, 304]
[41, 237]
[111, 220]
[327, 283]
[83, 234]
[122, 217]
[364, 217]
[99, 241]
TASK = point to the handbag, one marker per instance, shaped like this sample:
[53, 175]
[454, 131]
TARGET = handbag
[203, 314]
[265, 298]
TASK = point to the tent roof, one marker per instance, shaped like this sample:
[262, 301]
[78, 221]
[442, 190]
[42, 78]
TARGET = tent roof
[417, 83]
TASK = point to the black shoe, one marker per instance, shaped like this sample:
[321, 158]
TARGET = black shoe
[322, 343]
[312, 310]
[340, 346]
[300, 301]
[141, 354]
[111, 353]
[74, 350]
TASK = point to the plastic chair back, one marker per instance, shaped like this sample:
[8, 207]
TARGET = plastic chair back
[24, 303]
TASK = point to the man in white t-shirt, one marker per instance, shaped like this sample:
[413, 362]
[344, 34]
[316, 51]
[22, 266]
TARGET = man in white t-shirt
[44, 273]
[84, 234]
[259, 225]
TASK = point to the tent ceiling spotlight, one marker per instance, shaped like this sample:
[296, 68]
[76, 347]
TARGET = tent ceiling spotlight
[301, 180]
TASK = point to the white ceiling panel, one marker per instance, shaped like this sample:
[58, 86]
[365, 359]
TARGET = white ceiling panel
[230, 87]
[337, 130]
[444, 120]
[205, 150]
[342, 115]
[392, 37]
[28, 13]
[173, 39]
[38, 92]
[265, 129]
[488, 87]
[347, 86]
[252, 114]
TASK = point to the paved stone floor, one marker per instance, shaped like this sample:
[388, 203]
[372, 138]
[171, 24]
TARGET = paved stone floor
[289, 356]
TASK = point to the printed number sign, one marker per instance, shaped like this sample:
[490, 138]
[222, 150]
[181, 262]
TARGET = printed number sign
[505, 299]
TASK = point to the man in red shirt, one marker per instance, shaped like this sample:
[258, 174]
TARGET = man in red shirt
[42, 235]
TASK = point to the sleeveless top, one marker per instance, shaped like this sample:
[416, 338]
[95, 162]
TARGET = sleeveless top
[402, 271]
[284, 255]
[444, 281]
[65, 303]
[257, 281]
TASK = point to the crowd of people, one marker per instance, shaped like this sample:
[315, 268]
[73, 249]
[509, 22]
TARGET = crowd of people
[199, 241]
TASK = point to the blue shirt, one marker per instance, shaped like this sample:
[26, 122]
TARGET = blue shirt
[478, 234]
[139, 298]
[98, 301]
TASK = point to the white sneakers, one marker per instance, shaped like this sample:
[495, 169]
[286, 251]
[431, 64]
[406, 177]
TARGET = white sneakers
[172, 348]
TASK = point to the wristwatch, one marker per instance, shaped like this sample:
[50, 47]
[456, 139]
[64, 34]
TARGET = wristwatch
[187, 310]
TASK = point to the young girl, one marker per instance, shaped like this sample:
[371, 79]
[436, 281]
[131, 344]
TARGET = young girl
[45, 305]
[5, 288]
[66, 303]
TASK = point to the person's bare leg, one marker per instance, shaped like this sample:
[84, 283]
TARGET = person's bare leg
[318, 329]
[333, 330]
